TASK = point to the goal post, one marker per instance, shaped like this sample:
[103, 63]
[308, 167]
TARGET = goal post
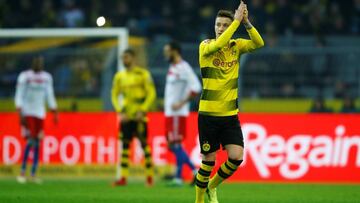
[121, 34]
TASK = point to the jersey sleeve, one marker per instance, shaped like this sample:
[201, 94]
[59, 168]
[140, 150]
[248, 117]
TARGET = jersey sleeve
[115, 91]
[20, 89]
[193, 81]
[50, 96]
[255, 41]
[150, 92]
[208, 47]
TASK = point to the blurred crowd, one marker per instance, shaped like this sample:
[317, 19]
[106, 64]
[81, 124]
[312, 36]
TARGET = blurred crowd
[348, 106]
[74, 75]
[185, 19]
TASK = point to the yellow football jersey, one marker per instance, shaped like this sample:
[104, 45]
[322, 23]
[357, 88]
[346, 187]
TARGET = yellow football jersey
[219, 65]
[137, 90]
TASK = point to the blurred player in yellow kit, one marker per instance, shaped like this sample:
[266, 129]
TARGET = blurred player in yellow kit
[218, 109]
[135, 85]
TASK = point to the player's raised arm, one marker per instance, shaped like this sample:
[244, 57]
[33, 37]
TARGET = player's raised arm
[225, 27]
[255, 41]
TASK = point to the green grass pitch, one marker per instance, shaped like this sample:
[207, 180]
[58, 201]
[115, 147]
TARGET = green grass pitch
[100, 191]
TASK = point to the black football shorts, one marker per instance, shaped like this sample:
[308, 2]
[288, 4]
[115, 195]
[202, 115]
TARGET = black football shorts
[219, 130]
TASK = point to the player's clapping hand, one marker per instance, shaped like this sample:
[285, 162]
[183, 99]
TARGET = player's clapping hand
[246, 14]
[239, 12]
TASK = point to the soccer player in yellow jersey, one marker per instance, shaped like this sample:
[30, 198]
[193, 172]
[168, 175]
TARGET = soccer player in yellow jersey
[136, 87]
[218, 110]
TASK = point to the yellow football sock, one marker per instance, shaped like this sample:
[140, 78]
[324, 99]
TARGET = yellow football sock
[202, 180]
[125, 163]
[226, 170]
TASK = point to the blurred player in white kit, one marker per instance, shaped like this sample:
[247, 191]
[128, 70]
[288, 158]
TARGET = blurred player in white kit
[182, 85]
[34, 87]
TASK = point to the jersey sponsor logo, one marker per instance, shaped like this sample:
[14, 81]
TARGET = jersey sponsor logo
[38, 80]
[224, 64]
[172, 73]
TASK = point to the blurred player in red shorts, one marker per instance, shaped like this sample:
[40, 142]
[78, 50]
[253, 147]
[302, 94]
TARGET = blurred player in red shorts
[33, 88]
[181, 86]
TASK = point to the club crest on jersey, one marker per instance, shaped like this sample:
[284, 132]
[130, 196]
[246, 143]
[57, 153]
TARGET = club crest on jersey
[206, 147]
[233, 52]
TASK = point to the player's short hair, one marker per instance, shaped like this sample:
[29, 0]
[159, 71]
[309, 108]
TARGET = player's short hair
[130, 51]
[225, 14]
[174, 45]
[37, 57]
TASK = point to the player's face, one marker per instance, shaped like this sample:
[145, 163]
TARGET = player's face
[127, 59]
[168, 53]
[38, 63]
[221, 24]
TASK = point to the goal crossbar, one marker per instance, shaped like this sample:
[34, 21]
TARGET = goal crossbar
[121, 34]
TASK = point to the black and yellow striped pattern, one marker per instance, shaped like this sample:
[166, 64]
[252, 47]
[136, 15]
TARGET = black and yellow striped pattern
[203, 175]
[138, 91]
[148, 162]
[219, 74]
[219, 66]
[226, 170]
[220, 92]
[125, 162]
[202, 179]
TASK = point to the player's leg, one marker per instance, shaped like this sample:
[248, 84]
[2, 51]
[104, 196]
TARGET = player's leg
[174, 146]
[181, 159]
[209, 145]
[228, 168]
[36, 137]
[232, 140]
[30, 125]
[126, 133]
[22, 178]
[176, 132]
[142, 135]
[184, 155]
[36, 143]
[172, 135]
[176, 149]
[203, 176]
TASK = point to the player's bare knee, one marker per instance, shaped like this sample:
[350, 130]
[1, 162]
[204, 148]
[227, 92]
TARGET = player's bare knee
[209, 156]
[235, 156]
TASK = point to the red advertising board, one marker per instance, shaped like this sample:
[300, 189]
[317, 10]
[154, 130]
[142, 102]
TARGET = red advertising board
[77, 138]
[278, 147]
